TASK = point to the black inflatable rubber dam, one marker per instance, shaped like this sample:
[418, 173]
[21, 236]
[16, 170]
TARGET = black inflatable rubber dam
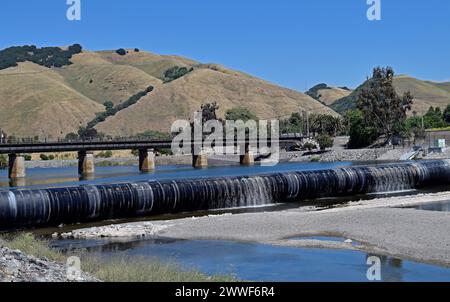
[85, 203]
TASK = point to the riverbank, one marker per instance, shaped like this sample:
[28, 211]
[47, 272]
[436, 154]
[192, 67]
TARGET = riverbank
[379, 225]
[24, 258]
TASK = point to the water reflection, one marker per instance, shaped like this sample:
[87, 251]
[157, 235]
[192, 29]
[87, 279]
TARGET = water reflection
[442, 206]
[258, 262]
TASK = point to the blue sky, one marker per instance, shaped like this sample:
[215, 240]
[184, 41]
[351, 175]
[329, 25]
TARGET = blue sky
[294, 43]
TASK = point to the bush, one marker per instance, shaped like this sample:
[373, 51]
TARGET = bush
[136, 50]
[325, 141]
[315, 159]
[72, 137]
[240, 113]
[105, 154]
[121, 52]
[44, 157]
[27, 157]
[176, 72]
[309, 146]
[3, 161]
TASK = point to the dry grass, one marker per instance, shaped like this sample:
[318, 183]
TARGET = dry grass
[180, 98]
[329, 96]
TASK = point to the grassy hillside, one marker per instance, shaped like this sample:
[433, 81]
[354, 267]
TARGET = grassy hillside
[35, 100]
[180, 98]
[326, 94]
[103, 81]
[425, 94]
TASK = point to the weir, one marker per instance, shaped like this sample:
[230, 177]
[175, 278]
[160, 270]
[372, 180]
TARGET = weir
[53, 206]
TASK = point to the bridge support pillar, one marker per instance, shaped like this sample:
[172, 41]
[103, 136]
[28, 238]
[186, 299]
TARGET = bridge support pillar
[86, 166]
[146, 160]
[16, 166]
[200, 161]
[248, 159]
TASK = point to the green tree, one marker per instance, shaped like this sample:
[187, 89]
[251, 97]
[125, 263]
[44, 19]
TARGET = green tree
[361, 134]
[381, 107]
[294, 124]
[325, 141]
[434, 118]
[446, 114]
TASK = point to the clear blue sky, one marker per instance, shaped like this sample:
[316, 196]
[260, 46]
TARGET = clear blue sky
[294, 43]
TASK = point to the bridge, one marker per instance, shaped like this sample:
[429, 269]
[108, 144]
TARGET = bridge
[85, 149]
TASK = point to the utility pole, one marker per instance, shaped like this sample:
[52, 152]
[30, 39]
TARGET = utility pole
[306, 121]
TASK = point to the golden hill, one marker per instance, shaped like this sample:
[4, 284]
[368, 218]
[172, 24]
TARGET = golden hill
[36, 100]
[103, 81]
[425, 94]
[180, 98]
[327, 94]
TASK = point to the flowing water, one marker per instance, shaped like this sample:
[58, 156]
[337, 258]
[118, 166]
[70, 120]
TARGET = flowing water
[167, 192]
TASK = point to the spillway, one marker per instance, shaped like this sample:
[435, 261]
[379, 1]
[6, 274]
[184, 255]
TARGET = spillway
[53, 206]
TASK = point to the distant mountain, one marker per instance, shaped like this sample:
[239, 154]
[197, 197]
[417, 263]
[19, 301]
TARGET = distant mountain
[326, 94]
[37, 100]
[426, 94]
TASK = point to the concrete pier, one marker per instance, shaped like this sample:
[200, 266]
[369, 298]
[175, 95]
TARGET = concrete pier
[86, 165]
[200, 161]
[248, 159]
[16, 166]
[146, 160]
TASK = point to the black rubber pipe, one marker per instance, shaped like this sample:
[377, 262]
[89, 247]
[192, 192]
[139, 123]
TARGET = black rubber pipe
[53, 206]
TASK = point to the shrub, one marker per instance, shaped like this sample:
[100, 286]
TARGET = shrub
[309, 146]
[136, 50]
[3, 161]
[105, 154]
[72, 137]
[27, 157]
[315, 159]
[325, 141]
[44, 157]
[176, 72]
[121, 52]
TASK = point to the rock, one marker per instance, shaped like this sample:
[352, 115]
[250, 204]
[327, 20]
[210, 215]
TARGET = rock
[15, 266]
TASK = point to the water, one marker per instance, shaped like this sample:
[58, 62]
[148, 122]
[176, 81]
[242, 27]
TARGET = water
[68, 176]
[442, 206]
[258, 262]
[192, 190]
[326, 239]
